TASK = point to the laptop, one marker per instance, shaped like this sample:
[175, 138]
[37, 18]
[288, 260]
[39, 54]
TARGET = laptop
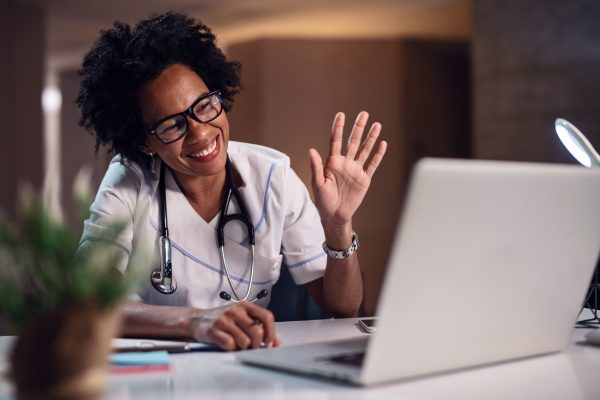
[490, 262]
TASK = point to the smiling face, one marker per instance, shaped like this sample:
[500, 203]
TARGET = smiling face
[202, 152]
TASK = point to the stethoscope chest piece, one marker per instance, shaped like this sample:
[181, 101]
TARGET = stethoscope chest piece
[162, 278]
[166, 285]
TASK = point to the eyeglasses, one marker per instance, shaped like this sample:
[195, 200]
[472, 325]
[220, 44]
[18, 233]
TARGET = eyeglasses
[204, 109]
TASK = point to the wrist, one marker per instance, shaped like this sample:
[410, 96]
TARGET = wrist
[341, 254]
[338, 236]
[194, 323]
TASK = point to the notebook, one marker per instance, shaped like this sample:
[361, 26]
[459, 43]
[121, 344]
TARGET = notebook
[490, 262]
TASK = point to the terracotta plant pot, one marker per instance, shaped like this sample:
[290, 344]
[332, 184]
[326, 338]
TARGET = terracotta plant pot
[64, 355]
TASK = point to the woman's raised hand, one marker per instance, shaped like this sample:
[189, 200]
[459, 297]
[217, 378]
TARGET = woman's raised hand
[341, 184]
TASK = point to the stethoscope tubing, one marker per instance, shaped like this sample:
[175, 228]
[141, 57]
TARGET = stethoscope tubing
[249, 286]
[162, 279]
[224, 218]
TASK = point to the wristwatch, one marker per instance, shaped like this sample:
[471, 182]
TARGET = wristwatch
[341, 254]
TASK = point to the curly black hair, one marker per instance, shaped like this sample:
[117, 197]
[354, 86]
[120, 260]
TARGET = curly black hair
[125, 58]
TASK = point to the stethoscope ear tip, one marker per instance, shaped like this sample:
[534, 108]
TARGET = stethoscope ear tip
[225, 296]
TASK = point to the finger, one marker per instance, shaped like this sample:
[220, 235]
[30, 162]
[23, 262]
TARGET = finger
[337, 131]
[257, 334]
[376, 159]
[227, 325]
[252, 327]
[268, 322]
[239, 314]
[316, 168]
[220, 338]
[356, 134]
[367, 146]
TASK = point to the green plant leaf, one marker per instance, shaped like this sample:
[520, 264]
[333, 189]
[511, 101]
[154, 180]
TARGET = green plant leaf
[43, 268]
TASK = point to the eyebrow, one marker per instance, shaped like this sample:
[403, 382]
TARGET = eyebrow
[158, 121]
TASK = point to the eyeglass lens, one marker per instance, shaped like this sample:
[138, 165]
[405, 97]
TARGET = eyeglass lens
[205, 110]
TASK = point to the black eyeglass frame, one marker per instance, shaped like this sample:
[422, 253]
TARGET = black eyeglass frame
[189, 112]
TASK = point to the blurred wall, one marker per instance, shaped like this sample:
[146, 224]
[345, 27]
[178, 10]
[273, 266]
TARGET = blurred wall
[436, 105]
[77, 149]
[294, 87]
[22, 32]
[534, 61]
[22, 46]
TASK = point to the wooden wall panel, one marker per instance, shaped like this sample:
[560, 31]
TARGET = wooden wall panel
[22, 37]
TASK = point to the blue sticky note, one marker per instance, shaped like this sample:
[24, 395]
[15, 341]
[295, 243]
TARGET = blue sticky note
[140, 358]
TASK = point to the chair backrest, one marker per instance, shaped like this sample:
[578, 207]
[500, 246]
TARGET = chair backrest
[291, 302]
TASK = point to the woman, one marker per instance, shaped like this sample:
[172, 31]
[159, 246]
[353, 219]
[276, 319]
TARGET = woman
[158, 94]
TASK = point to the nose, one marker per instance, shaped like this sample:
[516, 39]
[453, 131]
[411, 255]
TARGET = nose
[196, 129]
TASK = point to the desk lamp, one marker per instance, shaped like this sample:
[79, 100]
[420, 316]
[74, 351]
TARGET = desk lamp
[584, 152]
[576, 143]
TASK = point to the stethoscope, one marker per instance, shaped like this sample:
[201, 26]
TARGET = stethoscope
[162, 278]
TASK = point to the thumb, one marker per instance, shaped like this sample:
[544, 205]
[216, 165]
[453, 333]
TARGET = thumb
[316, 168]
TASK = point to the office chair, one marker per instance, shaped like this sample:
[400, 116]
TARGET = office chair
[290, 302]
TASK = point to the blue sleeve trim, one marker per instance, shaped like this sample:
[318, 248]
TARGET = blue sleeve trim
[265, 198]
[306, 261]
[265, 202]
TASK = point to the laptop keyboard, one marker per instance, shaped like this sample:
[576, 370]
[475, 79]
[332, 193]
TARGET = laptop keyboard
[354, 359]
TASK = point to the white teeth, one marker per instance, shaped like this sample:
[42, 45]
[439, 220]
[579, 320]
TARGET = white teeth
[206, 151]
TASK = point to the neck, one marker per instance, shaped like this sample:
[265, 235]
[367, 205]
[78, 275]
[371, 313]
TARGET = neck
[202, 186]
[205, 193]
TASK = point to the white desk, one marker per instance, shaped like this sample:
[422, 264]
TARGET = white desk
[574, 374]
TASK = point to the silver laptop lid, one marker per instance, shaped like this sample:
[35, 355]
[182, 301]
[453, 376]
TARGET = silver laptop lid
[491, 262]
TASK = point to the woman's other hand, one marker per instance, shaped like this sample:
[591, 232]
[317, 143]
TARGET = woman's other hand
[237, 326]
[341, 184]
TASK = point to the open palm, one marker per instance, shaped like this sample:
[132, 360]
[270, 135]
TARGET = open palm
[341, 184]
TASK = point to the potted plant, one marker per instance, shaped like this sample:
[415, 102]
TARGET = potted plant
[63, 301]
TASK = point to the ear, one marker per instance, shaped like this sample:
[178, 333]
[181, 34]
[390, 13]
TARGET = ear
[147, 149]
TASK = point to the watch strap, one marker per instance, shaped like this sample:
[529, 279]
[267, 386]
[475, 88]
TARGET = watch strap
[341, 254]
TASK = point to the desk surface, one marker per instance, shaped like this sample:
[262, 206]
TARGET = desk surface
[573, 374]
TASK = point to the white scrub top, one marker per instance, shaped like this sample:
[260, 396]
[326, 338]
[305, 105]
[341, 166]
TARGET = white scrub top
[286, 223]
